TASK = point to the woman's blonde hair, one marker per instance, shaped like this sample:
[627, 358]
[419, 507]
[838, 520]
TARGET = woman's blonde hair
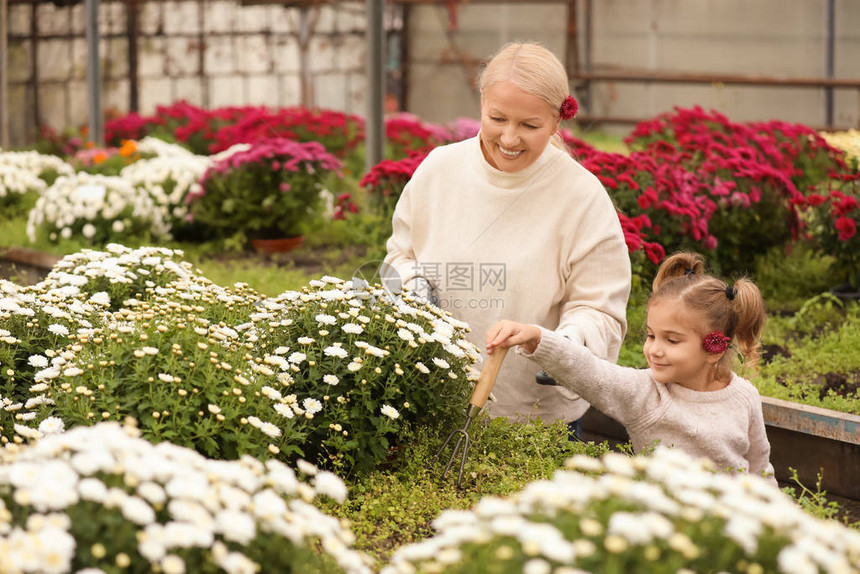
[533, 69]
[738, 310]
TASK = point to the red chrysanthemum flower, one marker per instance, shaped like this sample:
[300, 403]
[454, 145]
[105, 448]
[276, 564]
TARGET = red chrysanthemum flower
[716, 342]
[569, 107]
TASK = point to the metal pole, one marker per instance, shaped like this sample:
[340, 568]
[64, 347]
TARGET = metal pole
[133, 75]
[4, 78]
[830, 51]
[94, 73]
[375, 125]
[589, 39]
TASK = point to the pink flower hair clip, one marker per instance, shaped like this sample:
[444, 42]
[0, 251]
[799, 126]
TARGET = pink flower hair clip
[568, 108]
[716, 342]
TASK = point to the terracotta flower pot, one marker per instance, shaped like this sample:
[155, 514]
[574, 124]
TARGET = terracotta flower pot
[280, 245]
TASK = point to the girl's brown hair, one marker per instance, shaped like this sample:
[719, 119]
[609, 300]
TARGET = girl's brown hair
[738, 310]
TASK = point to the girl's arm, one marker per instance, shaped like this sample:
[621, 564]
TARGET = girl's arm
[621, 392]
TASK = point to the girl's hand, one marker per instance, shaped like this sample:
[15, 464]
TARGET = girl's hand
[506, 334]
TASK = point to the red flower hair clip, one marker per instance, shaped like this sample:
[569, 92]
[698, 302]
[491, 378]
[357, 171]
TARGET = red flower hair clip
[716, 342]
[568, 108]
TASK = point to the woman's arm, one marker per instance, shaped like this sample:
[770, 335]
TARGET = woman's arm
[597, 280]
[400, 267]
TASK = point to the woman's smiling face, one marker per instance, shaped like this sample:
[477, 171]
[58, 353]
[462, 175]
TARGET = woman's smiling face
[515, 127]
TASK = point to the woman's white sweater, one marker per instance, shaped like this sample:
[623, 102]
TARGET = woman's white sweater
[542, 245]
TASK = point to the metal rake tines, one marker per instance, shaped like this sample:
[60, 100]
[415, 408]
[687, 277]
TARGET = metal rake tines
[462, 440]
[476, 403]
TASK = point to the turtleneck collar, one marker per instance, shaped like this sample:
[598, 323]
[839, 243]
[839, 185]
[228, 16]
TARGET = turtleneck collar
[509, 180]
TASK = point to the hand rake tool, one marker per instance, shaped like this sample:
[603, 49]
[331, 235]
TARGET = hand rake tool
[479, 398]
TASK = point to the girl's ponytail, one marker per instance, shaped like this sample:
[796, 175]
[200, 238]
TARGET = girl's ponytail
[749, 311]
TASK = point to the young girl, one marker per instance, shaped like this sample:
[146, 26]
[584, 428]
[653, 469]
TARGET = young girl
[689, 398]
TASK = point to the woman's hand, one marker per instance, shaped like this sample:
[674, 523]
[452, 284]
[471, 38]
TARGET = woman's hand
[506, 334]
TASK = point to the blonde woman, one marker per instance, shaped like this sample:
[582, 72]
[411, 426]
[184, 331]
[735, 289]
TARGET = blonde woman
[508, 224]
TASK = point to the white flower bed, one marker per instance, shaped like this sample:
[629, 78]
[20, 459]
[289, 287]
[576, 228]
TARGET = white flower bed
[96, 206]
[665, 513]
[100, 497]
[334, 373]
[168, 179]
[35, 163]
[160, 148]
[17, 181]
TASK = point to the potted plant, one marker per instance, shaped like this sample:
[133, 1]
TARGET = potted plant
[269, 191]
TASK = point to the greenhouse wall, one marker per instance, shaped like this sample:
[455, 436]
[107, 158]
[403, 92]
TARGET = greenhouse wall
[222, 53]
[210, 53]
[772, 38]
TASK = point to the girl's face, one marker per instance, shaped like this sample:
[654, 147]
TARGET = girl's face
[515, 127]
[673, 346]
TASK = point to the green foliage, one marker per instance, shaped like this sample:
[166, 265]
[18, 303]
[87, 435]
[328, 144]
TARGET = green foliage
[814, 502]
[822, 340]
[789, 278]
[396, 506]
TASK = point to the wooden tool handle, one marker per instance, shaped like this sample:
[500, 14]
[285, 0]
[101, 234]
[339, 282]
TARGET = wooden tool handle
[488, 377]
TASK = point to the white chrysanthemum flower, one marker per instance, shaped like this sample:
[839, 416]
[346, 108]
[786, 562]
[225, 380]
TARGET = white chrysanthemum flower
[441, 363]
[214, 409]
[165, 378]
[376, 351]
[352, 329]
[329, 484]
[338, 352]
[312, 405]
[38, 361]
[269, 429]
[284, 410]
[137, 510]
[354, 366]
[51, 425]
[324, 319]
[297, 358]
[100, 298]
[271, 393]
[236, 526]
[331, 379]
[389, 411]
[172, 564]
[57, 329]
[281, 350]
[306, 467]
[305, 340]
[422, 367]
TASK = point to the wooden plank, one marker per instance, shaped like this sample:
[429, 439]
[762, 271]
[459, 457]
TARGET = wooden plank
[811, 420]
